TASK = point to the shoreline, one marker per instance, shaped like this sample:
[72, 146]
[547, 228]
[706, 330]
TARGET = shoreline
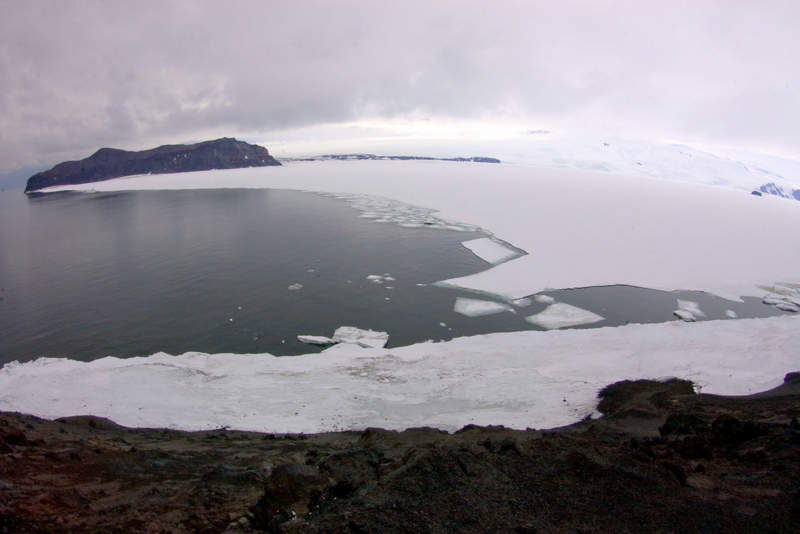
[661, 458]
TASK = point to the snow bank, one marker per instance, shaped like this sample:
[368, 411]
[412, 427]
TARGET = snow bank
[520, 379]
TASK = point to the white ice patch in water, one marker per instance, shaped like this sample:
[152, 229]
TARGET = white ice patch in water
[544, 299]
[521, 303]
[561, 315]
[731, 314]
[685, 316]
[381, 209]
[490, 251]
[362, 338]
[295, 287]
[691, 307]
[475, 308]
[315, 340]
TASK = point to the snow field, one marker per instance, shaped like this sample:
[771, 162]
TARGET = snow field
[521, 379]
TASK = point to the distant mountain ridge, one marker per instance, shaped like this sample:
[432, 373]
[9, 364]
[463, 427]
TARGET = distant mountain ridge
[109, 163]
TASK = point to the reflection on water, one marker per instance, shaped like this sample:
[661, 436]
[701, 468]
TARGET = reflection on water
[85, 276]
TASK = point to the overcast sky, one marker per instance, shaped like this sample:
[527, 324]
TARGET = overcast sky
[76, 76]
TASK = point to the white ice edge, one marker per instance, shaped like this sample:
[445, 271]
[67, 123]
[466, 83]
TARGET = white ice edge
[489, 250]
[515, 379]
[587, 228]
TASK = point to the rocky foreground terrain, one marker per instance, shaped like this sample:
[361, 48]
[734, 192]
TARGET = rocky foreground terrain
[109, 163]
[662, 459]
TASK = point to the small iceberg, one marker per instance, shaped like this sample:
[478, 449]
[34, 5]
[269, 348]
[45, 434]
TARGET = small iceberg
[295, 287]
[316, 340]
[369, 339]
[544, 299]
[789, 304]
[692, 307]
[489, 250]
[562, 315]
[684, 316]
[475, 308]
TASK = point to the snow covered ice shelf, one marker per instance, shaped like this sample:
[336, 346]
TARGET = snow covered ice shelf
[580, 228]
[490, 251]
[537, 379]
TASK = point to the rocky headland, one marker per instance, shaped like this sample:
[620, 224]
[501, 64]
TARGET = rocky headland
[108, 163]
[661, 459]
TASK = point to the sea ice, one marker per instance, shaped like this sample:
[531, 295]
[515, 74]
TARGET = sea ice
[315, 340]
[521, 303]
[731, 314]
[362, 338]
[787, 306]
[516, 379]
[544, 299]
[295, 287]
[691, 307]
[490, 251]
[475, 308]
[561, 315]
[685, 315]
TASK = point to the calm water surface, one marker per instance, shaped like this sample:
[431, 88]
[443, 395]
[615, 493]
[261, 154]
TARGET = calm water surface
[128, 274]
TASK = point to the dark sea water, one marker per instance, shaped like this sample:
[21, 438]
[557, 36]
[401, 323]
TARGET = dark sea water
[85, 276]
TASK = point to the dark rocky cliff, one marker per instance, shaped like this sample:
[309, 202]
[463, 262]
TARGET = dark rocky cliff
[108, 163]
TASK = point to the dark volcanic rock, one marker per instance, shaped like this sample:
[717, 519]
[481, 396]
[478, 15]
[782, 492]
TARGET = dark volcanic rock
[108, 163]
[718, 464]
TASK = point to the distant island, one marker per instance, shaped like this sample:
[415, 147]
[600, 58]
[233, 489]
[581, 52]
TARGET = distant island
[109, 163]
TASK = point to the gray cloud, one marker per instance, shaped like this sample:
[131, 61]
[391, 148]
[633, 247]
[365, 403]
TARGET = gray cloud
[75, 76]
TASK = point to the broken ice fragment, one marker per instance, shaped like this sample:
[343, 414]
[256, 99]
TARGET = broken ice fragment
[374, 277]
[772, 300]
[521, 303]
[295, 287]
[561, 315]
[363, 338]
[475, 308]
[388, 278]
[787, 306]
[544, 299]
[316, 340]
[684, 315]
[731, 314]
[691, 307]
[489, 250]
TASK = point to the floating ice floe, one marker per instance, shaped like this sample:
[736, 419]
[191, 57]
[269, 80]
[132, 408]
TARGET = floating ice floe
[731, 314]
[475, 308]
[691, 307]
[521, 303]
[295, 287]
[544, 299]
[362, 338]
[490, 250]
[316, 340]
[685, 316]
[562, 315]
[385, 210]
[788, 303]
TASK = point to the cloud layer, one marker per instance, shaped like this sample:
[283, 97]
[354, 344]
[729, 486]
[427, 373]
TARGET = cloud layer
[75, 76]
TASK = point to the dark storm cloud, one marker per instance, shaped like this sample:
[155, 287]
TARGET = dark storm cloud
[75, 76]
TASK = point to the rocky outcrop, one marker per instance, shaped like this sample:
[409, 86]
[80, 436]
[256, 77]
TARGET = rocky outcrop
[661, 459]
[108, 163]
